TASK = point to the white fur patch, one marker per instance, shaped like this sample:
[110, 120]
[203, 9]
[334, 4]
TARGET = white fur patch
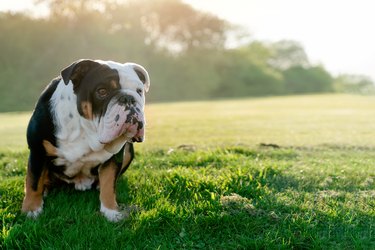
[34, 214]
[66, 116]
[110, 214]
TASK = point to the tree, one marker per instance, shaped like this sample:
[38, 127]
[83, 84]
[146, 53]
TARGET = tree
[287, 54]
[167, 24]
[182, 48]
[244, 72]
[357, 84]
[300, 80]
[178, 27]
[73, 9]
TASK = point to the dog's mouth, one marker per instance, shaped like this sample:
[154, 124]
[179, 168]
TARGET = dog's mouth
[122, 120]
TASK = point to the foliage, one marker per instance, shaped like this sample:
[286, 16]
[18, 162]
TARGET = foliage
[355, 84]
[308, 80]
[184, 49]
[244, 72]
[287, 54]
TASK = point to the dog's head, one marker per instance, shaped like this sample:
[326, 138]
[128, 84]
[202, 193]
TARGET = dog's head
[112, 95]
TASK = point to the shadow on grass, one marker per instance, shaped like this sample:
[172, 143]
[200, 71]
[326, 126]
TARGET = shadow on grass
[233, 198]
[251, 212]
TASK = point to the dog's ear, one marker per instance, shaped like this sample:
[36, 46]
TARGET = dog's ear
[77, 70]
[142, 74]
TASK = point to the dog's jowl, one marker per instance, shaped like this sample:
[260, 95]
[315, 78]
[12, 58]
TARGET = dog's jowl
[82, 131]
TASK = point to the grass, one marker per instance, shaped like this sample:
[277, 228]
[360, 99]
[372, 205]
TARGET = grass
[13, 131]
[204, 180]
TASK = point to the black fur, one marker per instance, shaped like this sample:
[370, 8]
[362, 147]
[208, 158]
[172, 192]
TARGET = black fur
[41, 128]
[98, 75]
[131, 152]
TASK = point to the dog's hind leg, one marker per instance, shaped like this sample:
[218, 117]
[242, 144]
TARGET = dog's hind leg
[36, 179]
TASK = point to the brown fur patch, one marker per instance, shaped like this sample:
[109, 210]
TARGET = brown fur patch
[87, 110]
[34, 198]
[114, 84]
[79, 177]
[50, 149]
[107, 179]
[112, 147]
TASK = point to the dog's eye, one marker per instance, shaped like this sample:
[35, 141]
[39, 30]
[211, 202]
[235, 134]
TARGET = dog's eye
[102, 92]
[139, 91]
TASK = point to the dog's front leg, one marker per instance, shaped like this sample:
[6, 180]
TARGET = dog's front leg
[109, 172]
[107, 182]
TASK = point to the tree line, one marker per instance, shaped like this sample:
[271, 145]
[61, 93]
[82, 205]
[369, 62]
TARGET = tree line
[185, 51]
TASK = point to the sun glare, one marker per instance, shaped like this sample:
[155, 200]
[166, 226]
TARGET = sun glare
[334, 33]
[24, 6]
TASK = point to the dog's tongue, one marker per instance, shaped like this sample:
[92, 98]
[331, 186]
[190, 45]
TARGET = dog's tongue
[121, 121]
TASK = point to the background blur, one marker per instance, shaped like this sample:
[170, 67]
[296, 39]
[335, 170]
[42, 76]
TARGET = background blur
[190, 54]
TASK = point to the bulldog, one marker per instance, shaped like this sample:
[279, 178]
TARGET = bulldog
[83, 129]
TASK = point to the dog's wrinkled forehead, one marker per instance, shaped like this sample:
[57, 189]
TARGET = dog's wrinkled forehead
[98, 85]
[132, 76]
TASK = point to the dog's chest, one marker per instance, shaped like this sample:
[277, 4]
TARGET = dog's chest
[78, 148]
[78, 157]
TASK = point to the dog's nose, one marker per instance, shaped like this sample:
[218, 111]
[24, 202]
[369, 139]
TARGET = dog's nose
[137, 139]
[127, 99]
[140, 125]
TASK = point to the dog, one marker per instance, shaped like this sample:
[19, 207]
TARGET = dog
[82, 131]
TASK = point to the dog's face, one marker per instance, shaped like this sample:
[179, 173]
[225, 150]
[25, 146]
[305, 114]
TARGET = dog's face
[112, 95]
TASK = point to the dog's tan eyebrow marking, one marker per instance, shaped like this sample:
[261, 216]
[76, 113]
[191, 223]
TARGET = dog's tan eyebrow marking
[87, 110]
[114, 84]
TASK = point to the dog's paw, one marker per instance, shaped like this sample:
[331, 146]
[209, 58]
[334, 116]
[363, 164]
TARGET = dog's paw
[84, 184]
[111, 214]
[33, 214]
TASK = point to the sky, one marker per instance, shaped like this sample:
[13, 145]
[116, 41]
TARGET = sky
[335, 33]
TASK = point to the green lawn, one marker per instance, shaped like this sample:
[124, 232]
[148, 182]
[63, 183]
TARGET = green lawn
[285, 172]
